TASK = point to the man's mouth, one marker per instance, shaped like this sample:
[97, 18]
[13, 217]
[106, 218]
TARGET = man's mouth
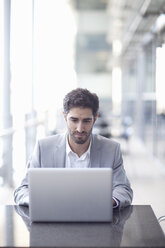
[80, 134]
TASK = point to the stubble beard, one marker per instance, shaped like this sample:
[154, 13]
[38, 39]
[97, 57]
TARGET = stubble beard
[80, 140]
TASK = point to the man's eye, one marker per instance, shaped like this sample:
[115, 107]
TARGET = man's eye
[74, 120]
[87, 121]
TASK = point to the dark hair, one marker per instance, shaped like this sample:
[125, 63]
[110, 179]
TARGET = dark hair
[82, 98]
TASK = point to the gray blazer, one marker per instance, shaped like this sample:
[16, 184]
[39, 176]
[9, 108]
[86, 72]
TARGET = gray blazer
[51, 152]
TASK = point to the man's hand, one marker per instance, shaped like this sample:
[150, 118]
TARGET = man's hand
[114, 203]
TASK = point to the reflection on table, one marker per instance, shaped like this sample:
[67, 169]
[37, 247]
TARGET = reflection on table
[133, 226]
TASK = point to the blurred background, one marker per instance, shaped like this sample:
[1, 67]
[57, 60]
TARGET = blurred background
[115, 48]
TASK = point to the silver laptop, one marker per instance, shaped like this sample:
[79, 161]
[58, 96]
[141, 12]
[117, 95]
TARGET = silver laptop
[70, 195]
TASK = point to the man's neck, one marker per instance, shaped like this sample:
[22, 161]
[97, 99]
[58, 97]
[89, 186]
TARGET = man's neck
[79, 149]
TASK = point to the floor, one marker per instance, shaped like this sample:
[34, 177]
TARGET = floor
[146, 174]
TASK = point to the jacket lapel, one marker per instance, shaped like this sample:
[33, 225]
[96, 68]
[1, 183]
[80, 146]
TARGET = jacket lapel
[95, 152]
[60, 153]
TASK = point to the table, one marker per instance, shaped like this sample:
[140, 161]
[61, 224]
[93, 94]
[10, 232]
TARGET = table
[133, 226]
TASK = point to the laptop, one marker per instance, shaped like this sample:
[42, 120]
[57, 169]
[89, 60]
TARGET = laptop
[70, 194]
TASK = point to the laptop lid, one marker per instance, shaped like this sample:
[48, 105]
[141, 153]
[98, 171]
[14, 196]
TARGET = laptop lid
[70, 194]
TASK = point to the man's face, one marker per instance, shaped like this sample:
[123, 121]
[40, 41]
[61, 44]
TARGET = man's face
[80, 123]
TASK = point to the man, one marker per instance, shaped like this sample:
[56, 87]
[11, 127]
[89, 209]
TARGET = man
[80, 148]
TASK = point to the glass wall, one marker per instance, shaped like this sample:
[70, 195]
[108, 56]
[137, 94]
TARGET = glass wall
[37, 65]
[160, 100]
[143, 94]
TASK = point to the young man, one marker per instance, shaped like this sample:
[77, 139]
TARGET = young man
[80, 148]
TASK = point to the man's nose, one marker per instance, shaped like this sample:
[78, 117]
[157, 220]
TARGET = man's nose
[80, 127]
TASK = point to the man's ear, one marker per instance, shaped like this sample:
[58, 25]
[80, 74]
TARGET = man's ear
[65, 115]
[95, 118]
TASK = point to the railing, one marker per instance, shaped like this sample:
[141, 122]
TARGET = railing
[6, 146]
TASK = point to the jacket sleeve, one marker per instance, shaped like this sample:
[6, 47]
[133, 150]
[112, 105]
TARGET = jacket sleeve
[121, 186]
[21, 194]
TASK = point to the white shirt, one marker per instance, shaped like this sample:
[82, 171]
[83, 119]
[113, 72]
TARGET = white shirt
[74, 161]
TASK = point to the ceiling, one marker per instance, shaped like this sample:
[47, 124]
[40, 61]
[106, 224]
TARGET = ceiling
[101, 22]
